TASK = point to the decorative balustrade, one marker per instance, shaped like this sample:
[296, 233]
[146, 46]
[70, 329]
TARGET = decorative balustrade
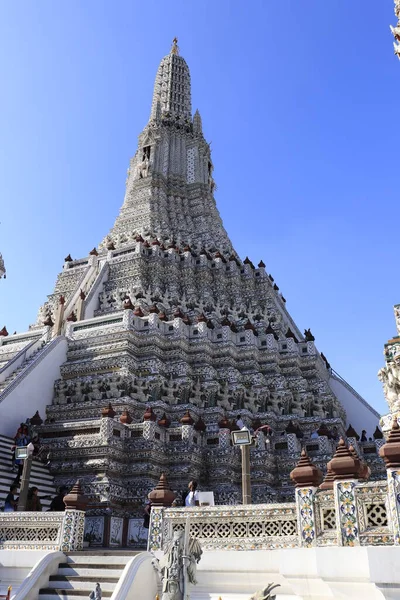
[348, 515]
[228, 527]
[42, 531]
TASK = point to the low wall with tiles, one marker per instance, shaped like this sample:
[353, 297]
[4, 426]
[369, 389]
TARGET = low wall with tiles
[42, 531]
[351, 514]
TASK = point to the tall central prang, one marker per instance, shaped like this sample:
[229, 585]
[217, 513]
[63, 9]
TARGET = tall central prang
[169, 191]
[150, 347]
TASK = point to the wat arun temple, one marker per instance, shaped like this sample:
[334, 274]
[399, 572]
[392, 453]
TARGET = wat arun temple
[151, 348]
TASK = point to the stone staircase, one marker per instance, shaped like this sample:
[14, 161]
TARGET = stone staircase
[14, 374]
[40, 475]
[77, 577]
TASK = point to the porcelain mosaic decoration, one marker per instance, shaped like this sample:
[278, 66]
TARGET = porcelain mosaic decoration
[164, 313]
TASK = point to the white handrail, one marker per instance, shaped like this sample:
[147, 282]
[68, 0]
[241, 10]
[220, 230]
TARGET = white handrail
[25, 353]
[39, 575]
[139, 579]
[40, 355]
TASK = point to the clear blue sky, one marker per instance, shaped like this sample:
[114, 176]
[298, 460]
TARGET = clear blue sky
[301, 103]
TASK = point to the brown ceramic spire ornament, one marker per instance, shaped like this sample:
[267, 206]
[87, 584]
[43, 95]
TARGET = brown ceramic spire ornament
[187, 419]
[108, 411]
[364, 471]
[327, 483]
[305, 474]
[36, 419]
[162, 495]
[343, 464]
[125, 418]
[390, 452]
[149, 415]
[76, 500]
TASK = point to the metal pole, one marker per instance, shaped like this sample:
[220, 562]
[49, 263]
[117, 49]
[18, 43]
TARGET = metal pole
[26, 475]
[246, 482]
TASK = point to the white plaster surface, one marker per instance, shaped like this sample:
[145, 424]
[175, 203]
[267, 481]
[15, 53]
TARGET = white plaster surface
[360, 415]
[34, 392]
[16, 565]
[362, 573]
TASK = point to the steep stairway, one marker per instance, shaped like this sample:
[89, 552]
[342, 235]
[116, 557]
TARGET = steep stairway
[14, 374]
[40, 475]
[77, 577]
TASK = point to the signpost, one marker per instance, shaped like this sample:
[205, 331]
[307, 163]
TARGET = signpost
[243, 438]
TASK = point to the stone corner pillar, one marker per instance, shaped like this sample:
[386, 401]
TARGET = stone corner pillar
[187, 427]
[260, 437]
[74, 520]
[224, 437]
[149, 424]
[293, 443]
[161, 497]
[107, 423]
[390, 452]
[345, 468]
[307, 477]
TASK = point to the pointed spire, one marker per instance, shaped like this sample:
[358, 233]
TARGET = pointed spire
[343, 464]
[187, 419]
[172, 90]
[108, 411]
[329, 478]
[125, 418]
[197, 123]
[149, 415]
[305, 472]
[75, 499]
[162, 495]
[175, 47]
[164, 421]
[390, 452]
[36, 419]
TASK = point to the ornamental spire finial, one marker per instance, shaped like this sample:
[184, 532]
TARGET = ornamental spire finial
[175, 47]
[396, 30]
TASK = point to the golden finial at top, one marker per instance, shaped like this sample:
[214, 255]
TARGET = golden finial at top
[175, 48]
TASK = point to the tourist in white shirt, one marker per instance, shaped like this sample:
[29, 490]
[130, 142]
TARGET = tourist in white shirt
[192, 499]
[239, 422]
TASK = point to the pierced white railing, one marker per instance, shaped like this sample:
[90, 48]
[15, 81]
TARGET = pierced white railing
[42, 531]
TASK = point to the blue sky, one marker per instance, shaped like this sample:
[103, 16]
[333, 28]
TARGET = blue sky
[300, 101]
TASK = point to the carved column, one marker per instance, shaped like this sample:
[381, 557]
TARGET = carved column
[390, 453]
[224, 433]
[345, 468]
[293, 443]
[260, 440]
[80, 306]
[149, 424]
[187, 427]
[324, 445]
[307, 477]
[59, 318]
[107, 424]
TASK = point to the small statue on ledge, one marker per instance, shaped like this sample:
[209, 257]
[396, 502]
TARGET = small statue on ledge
[175, 567]
[309, 336]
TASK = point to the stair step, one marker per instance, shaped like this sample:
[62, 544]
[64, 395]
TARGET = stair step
[93, 566]
[90, 578]
[88, 571]
[58, 582]
[103, 561]
[68, 594]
